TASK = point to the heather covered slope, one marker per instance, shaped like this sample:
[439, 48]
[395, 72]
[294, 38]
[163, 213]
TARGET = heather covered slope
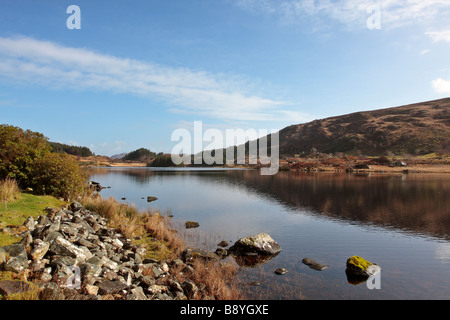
[419, 128]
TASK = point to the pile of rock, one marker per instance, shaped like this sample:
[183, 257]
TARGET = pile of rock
[73, 254]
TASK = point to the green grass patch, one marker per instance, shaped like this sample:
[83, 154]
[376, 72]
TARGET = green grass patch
[15, 213]
[6, 275]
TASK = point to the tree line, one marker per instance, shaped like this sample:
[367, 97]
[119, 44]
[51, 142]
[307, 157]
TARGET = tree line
[73, 150]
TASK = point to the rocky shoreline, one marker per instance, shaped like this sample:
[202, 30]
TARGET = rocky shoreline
[72, 254]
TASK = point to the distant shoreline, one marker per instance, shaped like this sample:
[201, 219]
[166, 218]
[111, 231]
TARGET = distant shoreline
[333, 165]
[431, 169]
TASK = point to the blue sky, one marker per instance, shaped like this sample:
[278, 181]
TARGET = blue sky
[137, 70]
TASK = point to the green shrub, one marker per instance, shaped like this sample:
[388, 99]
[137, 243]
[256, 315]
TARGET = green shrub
[18, 151]
[26, 157]
[59, 175]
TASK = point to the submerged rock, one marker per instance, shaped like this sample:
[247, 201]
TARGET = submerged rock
[191, 224]
[280, 271]
[314, 265]
[191, 254]
[223, 244]
[253, 283]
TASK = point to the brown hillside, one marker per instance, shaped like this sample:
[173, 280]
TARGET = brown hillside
[419, 128]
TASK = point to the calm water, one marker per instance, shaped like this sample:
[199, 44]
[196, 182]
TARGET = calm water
[401, 222]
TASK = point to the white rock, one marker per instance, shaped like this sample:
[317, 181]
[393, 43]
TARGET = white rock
[63, 247]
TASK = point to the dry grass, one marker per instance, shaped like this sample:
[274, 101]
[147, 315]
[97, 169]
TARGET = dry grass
[127, 219]
[220, 278]
[31, 293]
[9, 190]
[163, 229]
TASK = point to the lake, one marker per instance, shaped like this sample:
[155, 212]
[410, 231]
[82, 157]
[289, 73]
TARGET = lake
[401, 222]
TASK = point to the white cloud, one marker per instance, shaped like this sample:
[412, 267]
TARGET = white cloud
[441, 86]
[438, 36]
[183, 90]
[394, 13]
[73, 143]
[109, 148]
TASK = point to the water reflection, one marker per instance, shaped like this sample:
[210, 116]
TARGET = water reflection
[443, 252]
[252, 261]
[414, 203]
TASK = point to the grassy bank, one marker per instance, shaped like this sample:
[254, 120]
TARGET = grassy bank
[162, 238]
[14, 213]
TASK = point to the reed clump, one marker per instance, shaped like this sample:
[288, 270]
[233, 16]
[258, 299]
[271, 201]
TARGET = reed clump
[221, 278]
[9, 190]
[162, 228]
[123, 217]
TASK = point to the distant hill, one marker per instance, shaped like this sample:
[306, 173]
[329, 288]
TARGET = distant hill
[119, 156]
[415, 129]
[141, 154]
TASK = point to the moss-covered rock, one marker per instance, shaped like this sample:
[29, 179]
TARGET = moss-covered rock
[360, 267]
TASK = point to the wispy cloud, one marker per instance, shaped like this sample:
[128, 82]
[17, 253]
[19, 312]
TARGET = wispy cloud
[109, 148]
[181, 89]
[441, 86]
[438, 36]
[394, 13]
